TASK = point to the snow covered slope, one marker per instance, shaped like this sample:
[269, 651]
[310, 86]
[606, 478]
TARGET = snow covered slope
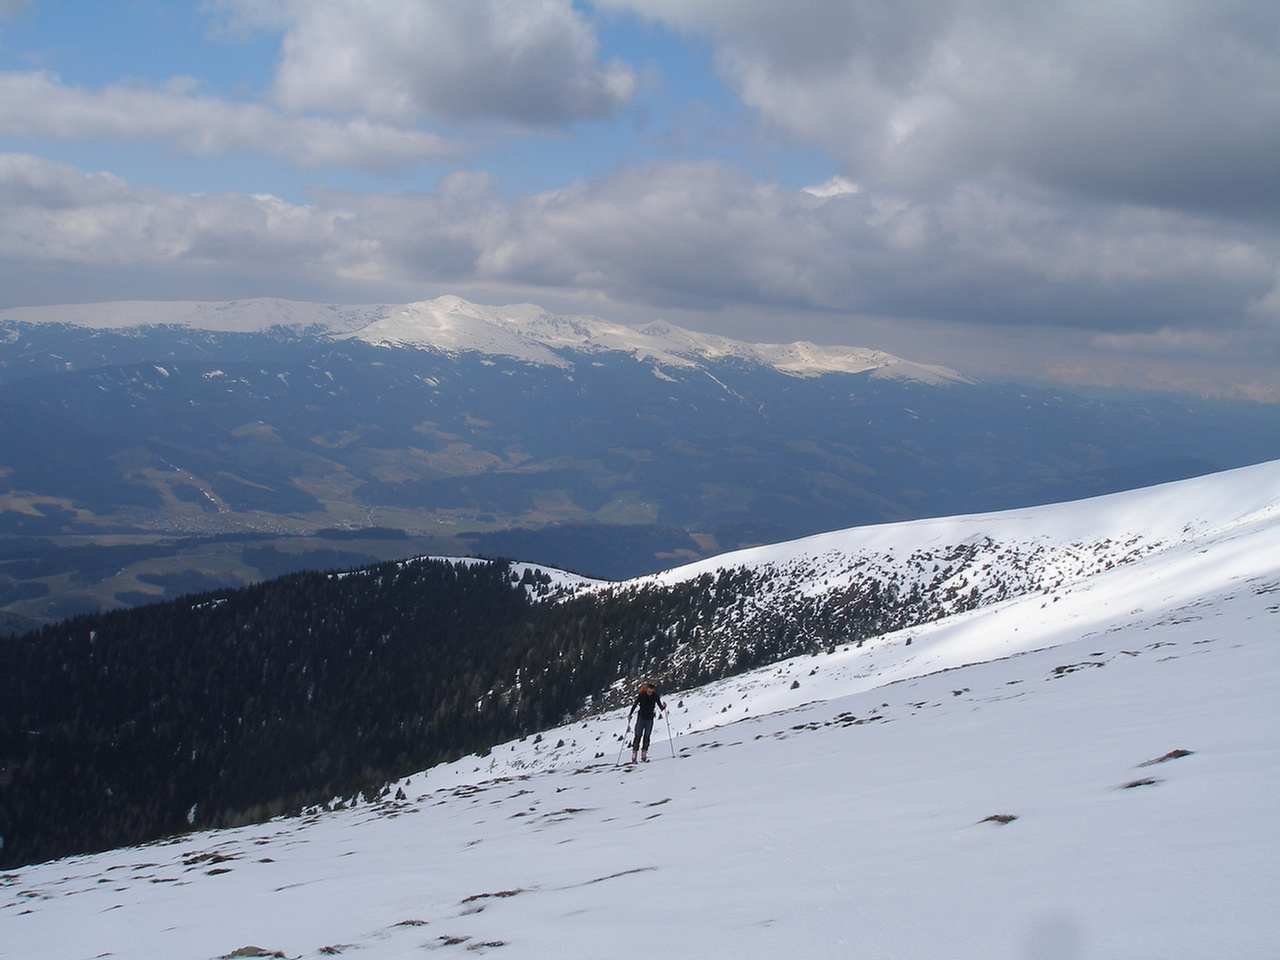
[453, 325]
[1088, 769]
[957, 564]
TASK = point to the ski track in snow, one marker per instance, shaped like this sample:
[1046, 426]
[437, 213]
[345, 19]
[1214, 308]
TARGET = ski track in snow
[1086, 770]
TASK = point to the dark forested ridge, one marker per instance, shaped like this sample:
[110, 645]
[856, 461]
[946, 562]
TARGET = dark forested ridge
[235, 705]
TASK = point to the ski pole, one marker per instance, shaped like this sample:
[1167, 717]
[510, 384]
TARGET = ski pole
[624, 743]
[669, 740]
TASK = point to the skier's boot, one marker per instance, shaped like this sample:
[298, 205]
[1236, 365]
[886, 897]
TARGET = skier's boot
[633, 756]
[644, 756]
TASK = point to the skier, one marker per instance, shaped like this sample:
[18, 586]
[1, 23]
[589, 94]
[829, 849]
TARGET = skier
[646, 699]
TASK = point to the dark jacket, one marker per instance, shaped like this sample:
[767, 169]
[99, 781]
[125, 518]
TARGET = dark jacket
[647, 699]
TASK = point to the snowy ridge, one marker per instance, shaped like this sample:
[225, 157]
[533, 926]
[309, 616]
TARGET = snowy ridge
[1086, 769]
[787, 598]
[1068, 538]
[452, 325]
[528, 332]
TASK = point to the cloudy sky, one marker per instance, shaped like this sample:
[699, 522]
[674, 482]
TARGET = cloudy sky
[1085, 191]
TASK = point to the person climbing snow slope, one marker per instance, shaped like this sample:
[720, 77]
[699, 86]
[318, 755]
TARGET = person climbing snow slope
[646, 700]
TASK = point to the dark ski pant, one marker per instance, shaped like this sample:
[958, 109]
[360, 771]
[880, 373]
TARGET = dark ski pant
[644, 728]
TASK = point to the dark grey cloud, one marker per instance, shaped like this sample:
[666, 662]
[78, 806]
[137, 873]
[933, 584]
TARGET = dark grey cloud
[1170, 104]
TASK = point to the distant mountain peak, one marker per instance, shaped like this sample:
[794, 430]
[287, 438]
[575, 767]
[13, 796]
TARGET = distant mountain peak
[528, 332]
[450, 324]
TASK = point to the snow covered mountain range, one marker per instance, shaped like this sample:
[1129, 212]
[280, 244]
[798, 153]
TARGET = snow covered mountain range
[452, 325]
[1080, 761]
[507, 431]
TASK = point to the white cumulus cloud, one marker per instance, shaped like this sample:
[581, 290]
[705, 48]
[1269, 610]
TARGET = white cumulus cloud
[36, 105]
[693, 235]
[527, 61]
